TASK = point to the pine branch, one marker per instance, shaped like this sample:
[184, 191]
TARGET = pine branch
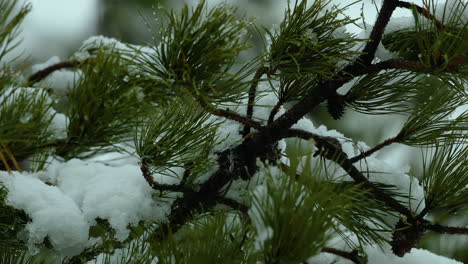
[327, 89]
[248, 122]
[376, 35]
[352, 256]
[423, 11]
[447, 229]
[369, 152]
[252, 92]
[329, 149]
[145, 170]
[42, 74]
[233, 204]
[173, 188]
[275, 110]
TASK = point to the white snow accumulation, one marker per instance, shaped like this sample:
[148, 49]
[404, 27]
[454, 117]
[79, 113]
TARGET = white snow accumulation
[79, 193]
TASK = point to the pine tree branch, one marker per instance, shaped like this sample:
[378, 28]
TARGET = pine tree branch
[42, 74]
[376, 35]
[205, 198]
[227, 114]
[421, 10]
[352, 256]
[247, 122]
[274, 111]
[369, 152]
[145, 170]
[328, 148]
[233, 204]
[327, 89]
[447, 229]
[458, 61]
[171, 187]
[252, 94]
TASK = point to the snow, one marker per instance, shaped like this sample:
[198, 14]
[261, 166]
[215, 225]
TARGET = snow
[80, 192]
[376, 255]
[416, 256]
[53, 213]
[113, 44]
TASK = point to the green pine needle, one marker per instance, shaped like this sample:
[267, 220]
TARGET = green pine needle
[445, 177]
[10, 19]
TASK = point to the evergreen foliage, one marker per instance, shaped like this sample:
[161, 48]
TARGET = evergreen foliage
[191, 110]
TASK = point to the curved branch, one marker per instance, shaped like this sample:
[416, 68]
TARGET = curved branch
[421, 10]
[252, 93]
[274, 111]
[42, 74]
[335, 153]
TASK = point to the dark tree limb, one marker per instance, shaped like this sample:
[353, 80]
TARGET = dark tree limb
[274, 111]
[352, 256]
[42, 74]
[233, 204]
[246, 121]
[327, 89]
[371, 151]
[376, 35]
[227, 114]
[331, 151]
[422, 11]
[252, 94]
[447, 229]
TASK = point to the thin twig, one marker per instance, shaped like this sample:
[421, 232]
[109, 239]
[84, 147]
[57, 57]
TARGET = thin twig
[233, 204]
[423, 11]
[274, 111]
[447, 229]
[5, 163]
[252, 94]
[395, 65]
[227, 114]
[369, 152]
[352, 256]
[11, 156]
[248, 122]
[171, 187]
[42, 74]
[336, 154]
